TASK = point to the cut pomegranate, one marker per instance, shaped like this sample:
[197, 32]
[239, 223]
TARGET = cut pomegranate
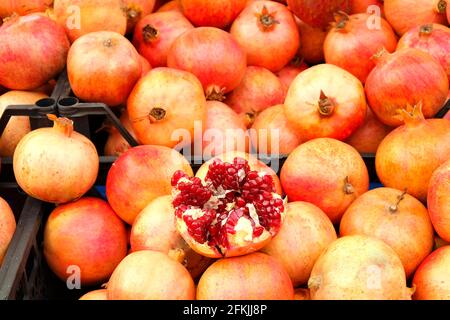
[235, 211]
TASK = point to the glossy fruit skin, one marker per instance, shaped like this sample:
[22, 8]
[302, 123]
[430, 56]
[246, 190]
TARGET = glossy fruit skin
[438, 200]
[306, 232]
[351, 36]
[432, 38]
[7, 227]
[116, 143]
[163, 101]
[290, 72]
[256, 276]
[28, 59]
[262, 29]
[23, 7]
[135, 10]
[377, 214]
[168, 25]
[170, 6]
[107, 59]
[211, 13]
[212, 55]
[150, 275]
[317, 13]
[140, 175]
[88, 234]
[97, 295]
[311, 42]
[327, 173]
[406, 77]
[80, 17]
[372, 272]
[406, 14]
[309, 111]
[17, 127]
[364, 6]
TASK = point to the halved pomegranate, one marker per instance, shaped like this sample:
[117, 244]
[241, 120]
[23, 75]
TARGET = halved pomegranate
[235, 211]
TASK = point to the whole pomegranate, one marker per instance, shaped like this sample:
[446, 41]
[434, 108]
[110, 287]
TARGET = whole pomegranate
[291, 71]
[17, 127]
[306, 232]
[408, 156]
[7, 227]
[381, 213]
[317, 13]
[150, 275]
[107, 59]
[325, 101]
[431, 278]
[155, 33]
[438, 200]
[140, 175]
[98, 295]
[405, 77]
[116, 143]
[211, 13]
[43, 169]
[258, 90]
[33, 50]
[23, 7]
[154, 229]
[311, 42]
[262, 29]
[256, 276]
[213, 56]
[86, 234]
[80, 17]
[135, 10]
[365, 6]
[327, 173]
[164, 107]
[351, 36]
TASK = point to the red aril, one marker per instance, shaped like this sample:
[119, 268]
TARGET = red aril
[325, 101]
[7, 227]
[155, 34]
[255, 276]
[23, 7]
[291, 71]
[140, 175]
[311, 42]
[351, 36]
[325, 172]
[87, 234]
[97, 295]
[405, 77]
[135, 10]
[33, 50]
[164, 106]
[213, 56]
[262, 29]
[116, 143]
[317, 13]
[438, 200]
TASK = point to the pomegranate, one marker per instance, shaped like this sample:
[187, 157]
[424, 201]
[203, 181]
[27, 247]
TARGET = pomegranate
[305, 234]
[116, 143]
[80, 17]
[358, 268]
[23, 7]
[136, 10]
[439, 200]
[290, 72]
[272, 134]
[236, 210]
[432, 38]
[223, 131]
[98, 295]
[258, 90]
[155, 34]
[17, 127]
[164, 102]
[325, 101]
[407, 157]
[448, 13]
[107, 59]
[256, 276]
[87, 234]
[351, 36]
[317, 13]
[213, 56]
[154, 229]
[327, 173]
[7, 227]
[262, 29]
[381, 213]
[366, 6]
[406, 76]
[170, 6]
[431, 278]
[311, 42]
[150, 275]
[43, 169]
[369, 135]
[211, 13]
[302, 294]
[140, 175]
[33, 50]
[403, 15]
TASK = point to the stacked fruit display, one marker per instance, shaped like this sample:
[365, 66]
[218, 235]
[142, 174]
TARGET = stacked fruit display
[232, 83]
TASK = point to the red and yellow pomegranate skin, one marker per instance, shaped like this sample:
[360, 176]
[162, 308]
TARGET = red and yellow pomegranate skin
[97, 295]
[135, 10]
[7, 227]
[311, 42]
[23, 7]
[317, 13]
[438, 200]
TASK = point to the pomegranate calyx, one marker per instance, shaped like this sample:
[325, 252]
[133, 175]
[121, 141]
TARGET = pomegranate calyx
[394, 207]
[150, 33]
[348, 187]
[412, 114]
[441, 6]
[63, 125]
[267, 19]
[342, 20]
[380, 55]
[157, 114]
[426, 29]
[326, 105]
[215, 93]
